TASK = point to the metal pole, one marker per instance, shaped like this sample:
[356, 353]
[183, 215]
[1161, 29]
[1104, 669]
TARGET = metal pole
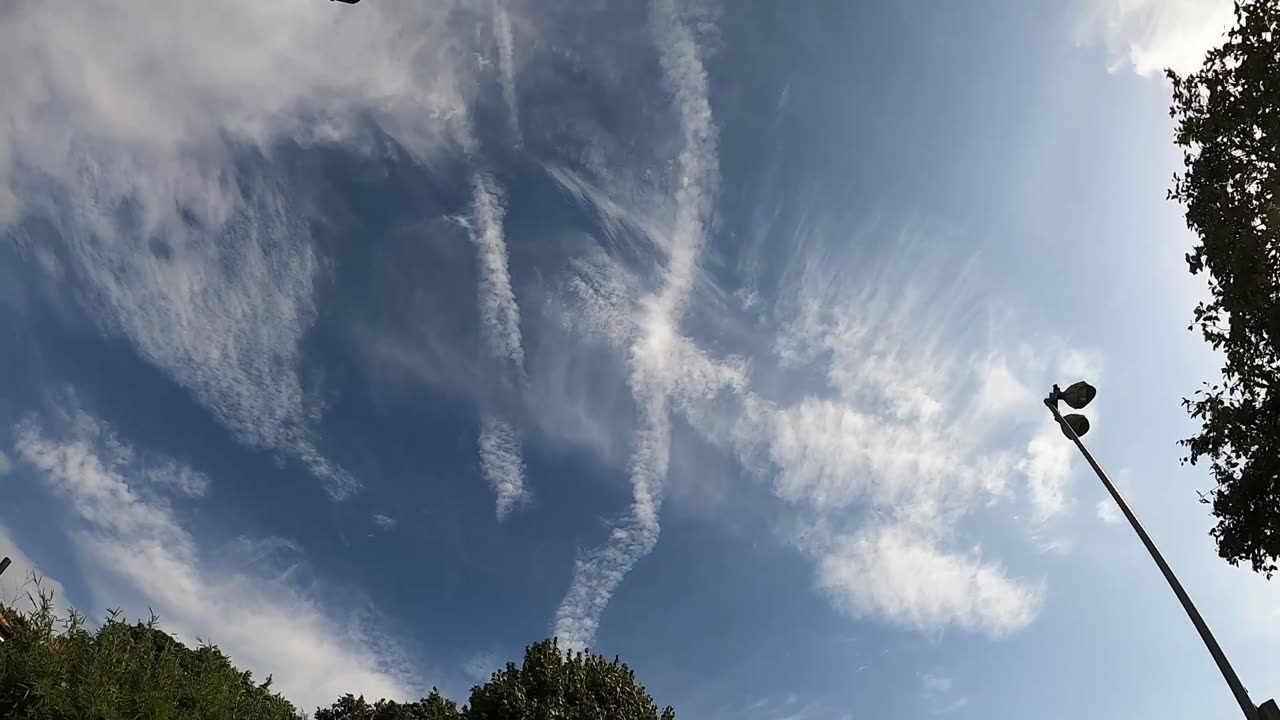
[1237, 688]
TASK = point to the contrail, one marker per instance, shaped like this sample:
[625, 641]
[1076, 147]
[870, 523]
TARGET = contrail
[598, 572]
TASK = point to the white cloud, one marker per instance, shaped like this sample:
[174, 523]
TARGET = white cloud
[1108, 512]
[501, 464]
[136, 150]
[939, 696]
[1151, 35]
[178, 477]
[917, 421]
[1001, 391]
[598, 573]
[500, 452]
[1056, 546]
[892, 573]
[385, 522]
[1074, 364]
[499, 312]
[1047, 466]
[831, 455]
[937, 683]
[507, 64]
[265, 624]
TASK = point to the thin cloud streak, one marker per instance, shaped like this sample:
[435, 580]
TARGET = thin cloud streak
[502, 464]
[598, 573]
[499, 312]
[507, 65]
[500, 451]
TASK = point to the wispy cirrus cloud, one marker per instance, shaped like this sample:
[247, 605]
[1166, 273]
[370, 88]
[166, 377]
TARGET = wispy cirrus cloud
[135, 537]
[500, 451]
[652, 360]
[499, 313]
[909, 436]
[883, 408]
[939, 694]
[505, 39]
[142, 156]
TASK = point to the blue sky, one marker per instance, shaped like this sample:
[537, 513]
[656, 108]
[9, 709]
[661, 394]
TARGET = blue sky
[376, 342]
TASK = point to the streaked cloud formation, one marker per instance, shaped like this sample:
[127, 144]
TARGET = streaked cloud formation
[502, 464]
[879, 414]
[499, 312]
[871, 397]
[654, 351]
[501, 461]
[131, 531]
[209, 272]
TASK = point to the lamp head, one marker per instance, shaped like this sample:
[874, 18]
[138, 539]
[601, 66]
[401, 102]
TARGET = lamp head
[1077, 395]
[1079, 425]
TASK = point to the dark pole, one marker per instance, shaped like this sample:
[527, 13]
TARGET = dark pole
[1237, 689]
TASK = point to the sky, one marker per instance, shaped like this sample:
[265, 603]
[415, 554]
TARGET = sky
[375, 342]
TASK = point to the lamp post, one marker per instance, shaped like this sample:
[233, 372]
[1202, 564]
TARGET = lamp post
[1073, 426]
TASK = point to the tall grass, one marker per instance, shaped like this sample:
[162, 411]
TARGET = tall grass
[56, 667]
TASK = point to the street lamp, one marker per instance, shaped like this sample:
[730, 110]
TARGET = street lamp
[1073, 426]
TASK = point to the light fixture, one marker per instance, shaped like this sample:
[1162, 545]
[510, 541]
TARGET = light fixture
[1077, 395]
[1079, 425]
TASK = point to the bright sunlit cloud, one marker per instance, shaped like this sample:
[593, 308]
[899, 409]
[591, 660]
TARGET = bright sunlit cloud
[1151, 35]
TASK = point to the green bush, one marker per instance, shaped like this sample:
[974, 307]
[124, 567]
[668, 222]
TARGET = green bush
[55, 669]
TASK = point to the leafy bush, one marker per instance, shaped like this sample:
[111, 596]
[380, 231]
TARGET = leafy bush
[56, 668]
[550, 685]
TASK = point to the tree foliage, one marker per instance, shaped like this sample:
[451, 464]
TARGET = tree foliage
[432, 707]
[57, 668]
[550, 685]
[554, 684]
[1228, 124]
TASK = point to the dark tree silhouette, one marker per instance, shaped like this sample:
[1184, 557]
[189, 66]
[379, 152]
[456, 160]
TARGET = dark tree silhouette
[432, 707]
[1228, 125]
[553, 684]
[550, 684]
